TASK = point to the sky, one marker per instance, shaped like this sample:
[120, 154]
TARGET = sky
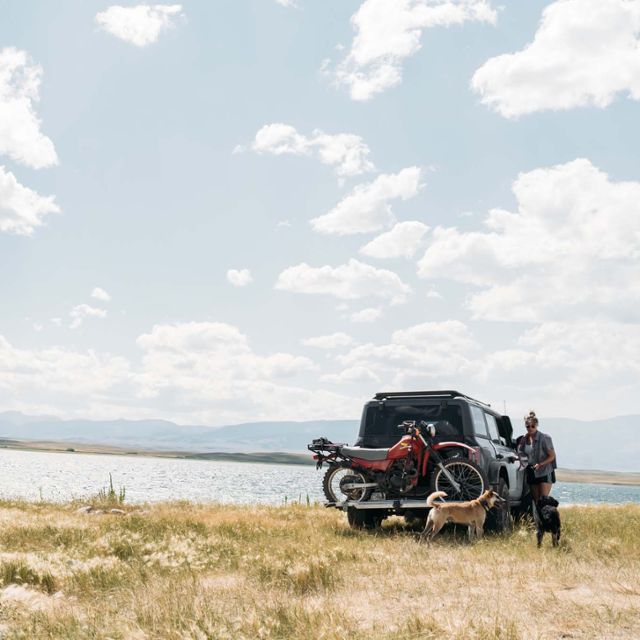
[224, 211]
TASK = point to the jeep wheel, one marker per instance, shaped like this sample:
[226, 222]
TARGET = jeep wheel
[363, 518]
[414, 521]
[499, 518]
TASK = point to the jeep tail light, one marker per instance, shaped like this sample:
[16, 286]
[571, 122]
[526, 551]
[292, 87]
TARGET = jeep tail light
[474, 454]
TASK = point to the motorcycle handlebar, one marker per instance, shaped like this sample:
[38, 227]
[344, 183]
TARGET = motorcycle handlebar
[411, 426]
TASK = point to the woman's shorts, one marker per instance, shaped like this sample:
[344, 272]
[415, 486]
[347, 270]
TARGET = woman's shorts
[550, 478]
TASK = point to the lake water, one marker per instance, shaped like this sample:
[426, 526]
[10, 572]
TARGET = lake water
[63, 476]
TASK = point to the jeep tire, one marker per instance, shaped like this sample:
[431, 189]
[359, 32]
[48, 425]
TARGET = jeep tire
[499, 518]
[364, 518]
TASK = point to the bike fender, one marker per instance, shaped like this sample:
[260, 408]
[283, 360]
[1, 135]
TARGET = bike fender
[447, 445]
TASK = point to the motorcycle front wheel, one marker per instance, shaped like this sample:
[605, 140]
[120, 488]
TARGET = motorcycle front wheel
[469, 476]
[335, 479]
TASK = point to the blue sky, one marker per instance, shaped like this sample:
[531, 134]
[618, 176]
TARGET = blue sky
[198, 150]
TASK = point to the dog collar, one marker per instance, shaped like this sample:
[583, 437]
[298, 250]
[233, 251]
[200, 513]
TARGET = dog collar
[484, 505]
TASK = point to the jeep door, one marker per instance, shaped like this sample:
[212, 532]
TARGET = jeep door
[506, 455]
[482, 438]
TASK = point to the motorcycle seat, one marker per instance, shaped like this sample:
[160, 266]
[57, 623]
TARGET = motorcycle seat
[365, 454]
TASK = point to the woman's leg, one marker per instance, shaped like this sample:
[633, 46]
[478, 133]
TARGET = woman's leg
[535, 491]
[544, 489]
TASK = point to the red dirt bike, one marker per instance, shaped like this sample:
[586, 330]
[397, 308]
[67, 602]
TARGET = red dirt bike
[412, 468]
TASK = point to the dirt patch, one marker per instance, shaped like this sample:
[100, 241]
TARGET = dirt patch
[21, 597]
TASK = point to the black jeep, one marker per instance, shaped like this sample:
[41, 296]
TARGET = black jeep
[463, 433]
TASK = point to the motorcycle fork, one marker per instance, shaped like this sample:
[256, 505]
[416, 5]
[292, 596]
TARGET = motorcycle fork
[439, 463]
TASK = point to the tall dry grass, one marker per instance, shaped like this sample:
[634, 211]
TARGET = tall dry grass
[185, 571]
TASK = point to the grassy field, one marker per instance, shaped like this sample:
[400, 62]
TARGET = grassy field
[185, 571]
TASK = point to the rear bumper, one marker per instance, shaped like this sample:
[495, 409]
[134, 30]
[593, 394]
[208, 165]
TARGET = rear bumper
[399, 505]
[387, 505]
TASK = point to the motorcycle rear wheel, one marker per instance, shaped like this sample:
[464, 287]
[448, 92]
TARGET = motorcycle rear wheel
[338, 475]
[469, 476]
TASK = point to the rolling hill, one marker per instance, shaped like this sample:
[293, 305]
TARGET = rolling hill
[609, 445]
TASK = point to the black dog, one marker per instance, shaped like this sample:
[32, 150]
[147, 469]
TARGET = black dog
[548, 519]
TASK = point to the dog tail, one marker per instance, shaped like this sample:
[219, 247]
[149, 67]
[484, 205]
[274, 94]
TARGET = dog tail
[431, 500]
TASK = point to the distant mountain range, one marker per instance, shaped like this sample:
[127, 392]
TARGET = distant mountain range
[612, 444]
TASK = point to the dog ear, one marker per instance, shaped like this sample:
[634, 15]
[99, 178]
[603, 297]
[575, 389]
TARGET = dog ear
[553, 502]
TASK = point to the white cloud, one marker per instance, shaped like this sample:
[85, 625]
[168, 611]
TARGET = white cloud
[140, 25]
[589, 349]
[239, 277]
[389, 31]
[562, 367]
[351, 376]
[280, 139]
[366, 208]
[585, 52]
[442, 351]
[100, 294]
[21, 209]
[351, 281]
[370, 314]
[207, 370]
[571, 250]
[194, 373]
[569, 364]
[400, 242]
[20, 135]
[286, 3]
[203, 348]
[82, 311]
[55, 379]
[332, 341]
[346, 152]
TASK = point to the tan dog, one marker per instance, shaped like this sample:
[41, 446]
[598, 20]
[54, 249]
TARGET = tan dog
[472, 513]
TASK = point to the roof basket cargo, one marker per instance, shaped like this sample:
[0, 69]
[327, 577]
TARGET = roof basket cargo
[448, 393]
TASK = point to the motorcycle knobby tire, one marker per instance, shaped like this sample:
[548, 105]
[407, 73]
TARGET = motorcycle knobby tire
[328, 491]
[471, 466]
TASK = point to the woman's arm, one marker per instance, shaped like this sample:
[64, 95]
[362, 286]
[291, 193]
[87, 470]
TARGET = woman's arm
[551, 456]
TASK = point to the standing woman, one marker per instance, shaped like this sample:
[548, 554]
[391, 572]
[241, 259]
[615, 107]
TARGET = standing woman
[542, 458]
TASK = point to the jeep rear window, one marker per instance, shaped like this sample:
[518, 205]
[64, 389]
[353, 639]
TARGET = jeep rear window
[380, 426]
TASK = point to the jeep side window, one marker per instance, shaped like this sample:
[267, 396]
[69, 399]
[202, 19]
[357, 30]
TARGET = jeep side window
[479, 425]
[493, 428]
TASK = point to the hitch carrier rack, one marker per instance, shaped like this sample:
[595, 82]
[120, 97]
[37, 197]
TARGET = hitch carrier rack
[379, 504]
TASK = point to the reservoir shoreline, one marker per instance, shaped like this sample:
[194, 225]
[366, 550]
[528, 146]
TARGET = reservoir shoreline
[273, 457]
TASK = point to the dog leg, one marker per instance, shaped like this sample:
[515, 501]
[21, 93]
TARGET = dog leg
[540, 534]
[426, 532]
[435, 530]
[555, 537]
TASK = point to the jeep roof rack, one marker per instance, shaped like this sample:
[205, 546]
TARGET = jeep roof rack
[448, 393]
